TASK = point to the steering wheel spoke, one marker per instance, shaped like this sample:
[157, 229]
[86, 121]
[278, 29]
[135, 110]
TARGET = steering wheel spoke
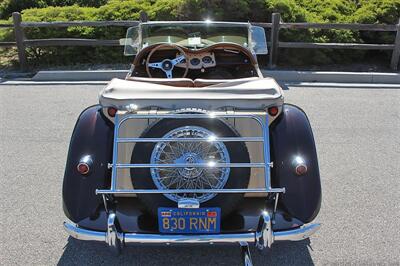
[178, 60]
[168, 73]
[156, 65]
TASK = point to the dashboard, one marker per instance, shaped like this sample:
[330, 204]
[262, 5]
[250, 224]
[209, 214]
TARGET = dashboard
[199, 60]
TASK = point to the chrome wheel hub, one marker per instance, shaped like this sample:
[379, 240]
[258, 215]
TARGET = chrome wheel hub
[190, 172]
[190, 177]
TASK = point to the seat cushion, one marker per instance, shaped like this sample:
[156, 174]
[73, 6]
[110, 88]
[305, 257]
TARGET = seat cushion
[254, 94]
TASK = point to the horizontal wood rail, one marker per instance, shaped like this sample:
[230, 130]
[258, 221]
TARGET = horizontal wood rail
[358, 46]
[70, 42]
[21, 42]
[8, 44]
[79, 24]
[6, 26]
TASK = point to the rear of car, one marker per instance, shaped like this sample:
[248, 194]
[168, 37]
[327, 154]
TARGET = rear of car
[174, 174]
[193, 160]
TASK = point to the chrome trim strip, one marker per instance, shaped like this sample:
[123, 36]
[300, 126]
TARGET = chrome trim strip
[297, 234]
[174, 191]
[226, 139]
[183, 165]
[267, 155]
[188, 239]
[185, 116]
[115, 152]
[83, 234]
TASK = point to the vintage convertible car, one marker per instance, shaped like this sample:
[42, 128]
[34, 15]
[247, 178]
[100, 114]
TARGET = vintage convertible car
[194, 146]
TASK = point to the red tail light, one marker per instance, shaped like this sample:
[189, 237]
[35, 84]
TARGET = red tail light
[84, 165]
[301, 169]
[83, 168]
[112, 111]
[273, 111]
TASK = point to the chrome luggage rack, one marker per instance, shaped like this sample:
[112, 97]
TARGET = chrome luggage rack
[264, 139]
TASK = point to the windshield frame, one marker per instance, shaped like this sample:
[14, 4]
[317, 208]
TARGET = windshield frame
[195, 23]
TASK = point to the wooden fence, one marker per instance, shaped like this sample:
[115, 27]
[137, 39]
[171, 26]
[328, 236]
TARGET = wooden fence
[21, 42]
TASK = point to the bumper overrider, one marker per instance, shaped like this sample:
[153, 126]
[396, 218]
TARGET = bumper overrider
[264, 236]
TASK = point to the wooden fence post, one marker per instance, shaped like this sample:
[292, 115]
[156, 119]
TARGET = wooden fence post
[394, 63]
[273, 56]
[19, 39]
[143, 16]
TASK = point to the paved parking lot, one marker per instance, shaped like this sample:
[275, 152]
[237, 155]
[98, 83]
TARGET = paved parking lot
[358, 141]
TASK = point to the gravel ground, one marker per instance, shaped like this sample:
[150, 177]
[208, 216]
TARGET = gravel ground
[358, 140]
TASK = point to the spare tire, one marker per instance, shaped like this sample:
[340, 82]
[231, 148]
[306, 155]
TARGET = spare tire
[190, 152]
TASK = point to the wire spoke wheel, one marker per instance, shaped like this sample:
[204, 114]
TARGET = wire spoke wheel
[208, 153]
[205, 152]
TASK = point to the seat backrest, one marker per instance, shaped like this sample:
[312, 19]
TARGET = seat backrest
[215, 82]
[176, 82]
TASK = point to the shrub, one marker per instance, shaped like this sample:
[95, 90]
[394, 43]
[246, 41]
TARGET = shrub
[360, 11]
[9, 6]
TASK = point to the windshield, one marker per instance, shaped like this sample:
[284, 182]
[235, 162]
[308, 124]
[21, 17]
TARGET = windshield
[194, 35]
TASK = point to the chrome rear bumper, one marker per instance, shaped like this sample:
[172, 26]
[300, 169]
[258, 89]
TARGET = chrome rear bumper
[263, 237]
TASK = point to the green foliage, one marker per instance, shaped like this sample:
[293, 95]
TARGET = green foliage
[6, 34]
[9, 6]
[377, 11]
[321, 11]
[122, 10]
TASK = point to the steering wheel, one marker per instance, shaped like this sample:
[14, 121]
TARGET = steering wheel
[167, 65]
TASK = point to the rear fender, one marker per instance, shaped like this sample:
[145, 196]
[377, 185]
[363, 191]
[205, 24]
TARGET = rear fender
[291, 136]
[93, 135]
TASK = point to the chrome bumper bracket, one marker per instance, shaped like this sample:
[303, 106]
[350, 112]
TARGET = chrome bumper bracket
[264, 235]
[246, 256]
[113, 237]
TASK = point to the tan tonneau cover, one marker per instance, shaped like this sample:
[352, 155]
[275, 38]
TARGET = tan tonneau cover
[253, 94]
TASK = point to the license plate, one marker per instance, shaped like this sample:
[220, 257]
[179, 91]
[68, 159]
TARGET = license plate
[189, 221]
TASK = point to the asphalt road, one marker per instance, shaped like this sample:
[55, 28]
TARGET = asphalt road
[358, 141]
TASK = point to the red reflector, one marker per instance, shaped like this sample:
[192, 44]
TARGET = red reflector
[111, 111]
[273, 111]
[83, 168]
[301, 169]
[211, 214]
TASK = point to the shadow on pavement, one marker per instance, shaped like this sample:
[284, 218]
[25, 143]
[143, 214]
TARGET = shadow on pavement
[80, 252]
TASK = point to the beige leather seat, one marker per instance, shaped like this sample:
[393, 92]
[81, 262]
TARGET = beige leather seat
[178, 82]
